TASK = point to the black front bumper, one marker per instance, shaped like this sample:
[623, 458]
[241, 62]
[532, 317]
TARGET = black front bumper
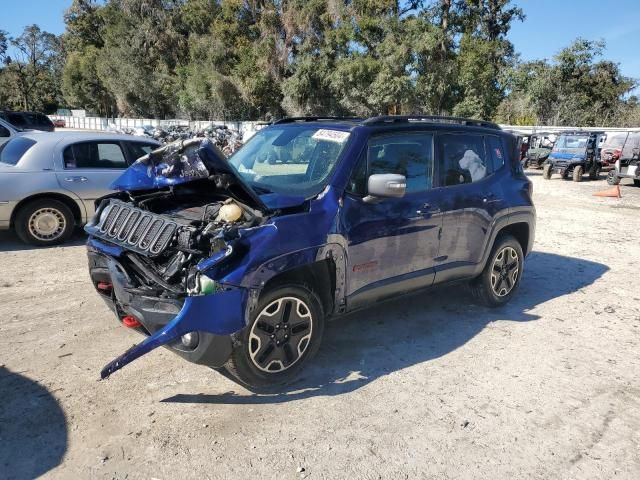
[152, 312]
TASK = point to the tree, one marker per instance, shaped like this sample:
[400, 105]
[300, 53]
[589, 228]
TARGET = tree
[30, 69]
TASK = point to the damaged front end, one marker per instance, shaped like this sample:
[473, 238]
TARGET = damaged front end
[156, 249]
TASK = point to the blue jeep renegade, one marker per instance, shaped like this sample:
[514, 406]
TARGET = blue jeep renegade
[238, 263]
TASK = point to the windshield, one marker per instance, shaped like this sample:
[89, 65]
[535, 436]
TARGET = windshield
[615, 141]
[571, 142]
[290, 159]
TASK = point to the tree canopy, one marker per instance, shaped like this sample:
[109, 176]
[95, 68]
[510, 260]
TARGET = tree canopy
[263, 59]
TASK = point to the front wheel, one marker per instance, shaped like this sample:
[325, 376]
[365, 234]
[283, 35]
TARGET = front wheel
[284, 332]
[546, 172]
[636, 183]
[612, 178]
[501, 275]
[578, 171]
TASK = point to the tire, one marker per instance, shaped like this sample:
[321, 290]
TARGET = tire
[578, 171]
[501, 275]
[594, 173]
[261, 368]
[612, 178]
[546, 172]
[44, 222]
[636, 183]
[525, 163]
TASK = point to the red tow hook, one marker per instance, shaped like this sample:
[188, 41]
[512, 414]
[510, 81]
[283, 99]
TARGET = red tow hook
[104, 286]
[131, 322]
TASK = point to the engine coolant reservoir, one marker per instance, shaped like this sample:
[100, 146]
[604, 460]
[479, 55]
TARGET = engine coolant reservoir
[229, 213]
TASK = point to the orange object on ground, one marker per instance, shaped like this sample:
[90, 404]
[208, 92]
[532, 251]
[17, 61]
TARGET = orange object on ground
[611, 192]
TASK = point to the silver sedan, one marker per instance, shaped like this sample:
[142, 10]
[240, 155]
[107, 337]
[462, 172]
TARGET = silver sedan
[49, 181]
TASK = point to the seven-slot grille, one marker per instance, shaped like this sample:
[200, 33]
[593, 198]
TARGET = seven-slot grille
[133, 228]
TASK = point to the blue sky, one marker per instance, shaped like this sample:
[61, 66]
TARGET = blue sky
[550, 25]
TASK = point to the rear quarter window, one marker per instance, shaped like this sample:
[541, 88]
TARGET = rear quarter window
[12, 151]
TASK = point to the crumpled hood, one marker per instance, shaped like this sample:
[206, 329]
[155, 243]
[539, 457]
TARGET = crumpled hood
[182, 162]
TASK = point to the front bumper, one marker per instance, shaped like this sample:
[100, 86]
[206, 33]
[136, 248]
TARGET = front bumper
[6, 208]
[165, 320]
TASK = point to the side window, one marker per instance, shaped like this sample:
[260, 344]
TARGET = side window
[406, 154]
[137, 149]
[94, 155]
[496, 152]
[4, 132]
[358, 181]
[462, 159]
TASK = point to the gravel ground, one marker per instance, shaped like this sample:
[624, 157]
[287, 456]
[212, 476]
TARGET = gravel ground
[430, 386]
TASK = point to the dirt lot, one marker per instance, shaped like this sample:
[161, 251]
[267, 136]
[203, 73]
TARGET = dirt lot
[426, 387]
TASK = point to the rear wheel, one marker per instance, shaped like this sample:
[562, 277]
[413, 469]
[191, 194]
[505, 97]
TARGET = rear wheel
[284, 333]
[594, 173]
[578, 171]
[612, 178]
[44, 222]
[501, 275]
[546, 172]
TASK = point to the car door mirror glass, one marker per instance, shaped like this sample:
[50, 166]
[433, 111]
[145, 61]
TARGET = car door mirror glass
[385, 185]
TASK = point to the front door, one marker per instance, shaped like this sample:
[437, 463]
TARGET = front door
[392, 243]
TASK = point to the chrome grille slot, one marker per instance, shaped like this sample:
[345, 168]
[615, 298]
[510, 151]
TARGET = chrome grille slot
[117, 224]
[128, 224]
[163, 238]
[139, 229]
[112, 211]
[150, 234]
[132, 228]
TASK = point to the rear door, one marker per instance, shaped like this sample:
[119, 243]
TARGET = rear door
[471, 168]
[89, 168]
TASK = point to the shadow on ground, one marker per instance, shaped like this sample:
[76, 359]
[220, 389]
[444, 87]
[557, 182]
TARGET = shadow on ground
[9, 242]
[363, 346]
[33, 428]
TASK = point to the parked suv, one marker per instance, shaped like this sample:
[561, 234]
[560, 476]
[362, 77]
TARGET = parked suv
[574, 154]
[239, 262]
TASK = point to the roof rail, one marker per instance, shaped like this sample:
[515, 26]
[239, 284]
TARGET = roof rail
[312, 119]
[386, 119]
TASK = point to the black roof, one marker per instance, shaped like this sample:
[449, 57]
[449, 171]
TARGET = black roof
[395, 120]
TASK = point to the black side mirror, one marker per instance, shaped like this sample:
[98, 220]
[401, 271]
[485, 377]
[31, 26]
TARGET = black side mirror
[386, 185]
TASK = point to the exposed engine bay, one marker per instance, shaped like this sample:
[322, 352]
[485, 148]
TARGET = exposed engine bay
[167, 232]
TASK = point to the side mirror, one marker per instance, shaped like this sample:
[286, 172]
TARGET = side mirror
[386, 185]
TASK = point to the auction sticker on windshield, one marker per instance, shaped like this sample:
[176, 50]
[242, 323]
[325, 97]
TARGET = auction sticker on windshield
[331, 135]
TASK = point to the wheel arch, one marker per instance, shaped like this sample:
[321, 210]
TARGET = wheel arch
[68, 201]
[321, 268]
[519, 230]
[319, 277]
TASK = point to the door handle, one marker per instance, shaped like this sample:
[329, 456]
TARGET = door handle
[75, 179]
[490, 198]
[428, 208]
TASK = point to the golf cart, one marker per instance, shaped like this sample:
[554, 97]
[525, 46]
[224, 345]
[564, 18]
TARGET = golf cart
[540, 146]
[628, 162]
[574, 153]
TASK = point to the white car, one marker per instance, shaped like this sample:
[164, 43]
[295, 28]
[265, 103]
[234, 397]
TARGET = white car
[50, 181]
